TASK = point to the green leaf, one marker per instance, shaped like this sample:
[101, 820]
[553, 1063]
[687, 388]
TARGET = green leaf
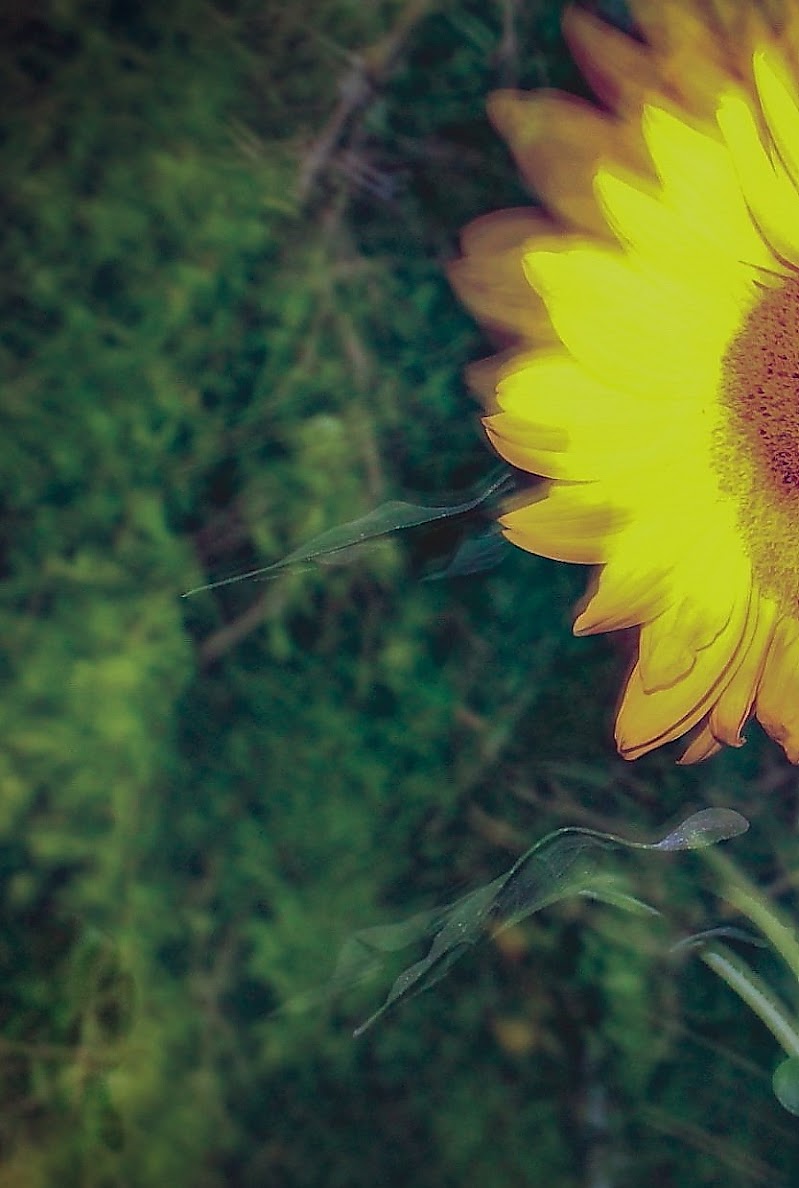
[340, 543]
[785, 1083]
[563, 863]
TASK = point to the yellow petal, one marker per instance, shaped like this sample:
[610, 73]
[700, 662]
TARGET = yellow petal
[648, 226]
[557, 421]
[770, 194]
[550, 386]
[701, 186]
[616, 320]
[551, 451]
[566, 523]
[623, 594]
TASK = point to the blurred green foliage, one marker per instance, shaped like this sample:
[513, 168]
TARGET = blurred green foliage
[227, 328]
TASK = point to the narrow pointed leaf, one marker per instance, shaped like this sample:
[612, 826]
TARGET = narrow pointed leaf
[342, 541]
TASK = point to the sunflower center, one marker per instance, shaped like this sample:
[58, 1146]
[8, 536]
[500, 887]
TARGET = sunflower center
[757, 450]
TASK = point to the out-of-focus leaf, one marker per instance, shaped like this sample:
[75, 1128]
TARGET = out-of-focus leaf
[785, 1084]
[722, 932]
[704, 829]
[474, 555]
[561, 864]
[341, 543]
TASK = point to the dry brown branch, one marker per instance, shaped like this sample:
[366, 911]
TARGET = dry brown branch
[369, 70]
[267, 605]
[508, 48]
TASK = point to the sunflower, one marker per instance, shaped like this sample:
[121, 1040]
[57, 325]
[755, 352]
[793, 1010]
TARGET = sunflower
[649, 314]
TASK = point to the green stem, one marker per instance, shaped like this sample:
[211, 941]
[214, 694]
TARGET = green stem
[741, 978]
[746, 898]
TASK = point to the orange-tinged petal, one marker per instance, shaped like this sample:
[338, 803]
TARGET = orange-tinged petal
[558, 142]
[778, 99]
[669, 645]
[777, 701]
[707, 580]
[489, 276]
[702, 746]
[787, 29]
[698, 46]
[694, 61]
[648, 720]
[485, 375]
[731, 711]
[619, 70]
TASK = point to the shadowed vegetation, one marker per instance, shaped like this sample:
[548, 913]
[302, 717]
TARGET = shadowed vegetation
[228, 330]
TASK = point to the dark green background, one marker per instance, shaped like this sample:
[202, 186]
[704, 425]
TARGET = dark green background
[226, 327]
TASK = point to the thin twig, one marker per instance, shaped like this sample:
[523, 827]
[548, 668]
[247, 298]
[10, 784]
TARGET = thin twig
[268, 605]
[368, 72]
